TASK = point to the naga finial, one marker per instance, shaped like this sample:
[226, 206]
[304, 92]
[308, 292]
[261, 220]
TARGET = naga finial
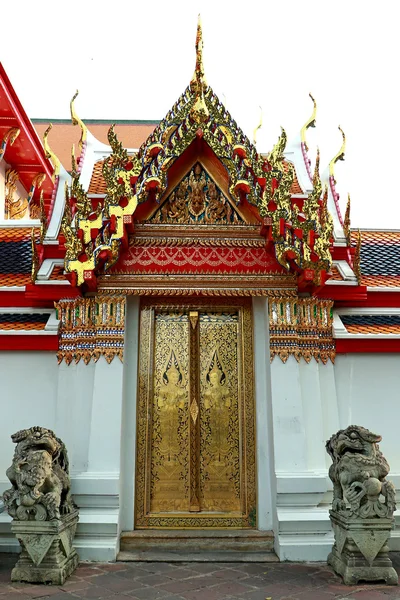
[258, 127]
[309, 123]
[77, 121]
[50, 154]
[339, 155]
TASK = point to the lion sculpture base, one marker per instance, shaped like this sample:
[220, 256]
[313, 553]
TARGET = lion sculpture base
[360, 552]
[47, 554]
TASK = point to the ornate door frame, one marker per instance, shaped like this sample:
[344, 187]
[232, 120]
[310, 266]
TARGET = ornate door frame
[247, 519]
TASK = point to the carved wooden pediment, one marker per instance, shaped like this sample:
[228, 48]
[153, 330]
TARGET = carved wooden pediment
[197, 200]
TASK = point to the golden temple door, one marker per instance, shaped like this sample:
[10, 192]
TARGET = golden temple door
[196, 437]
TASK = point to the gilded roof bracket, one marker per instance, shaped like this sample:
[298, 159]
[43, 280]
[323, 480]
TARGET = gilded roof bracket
[311, 122]
[9, 138]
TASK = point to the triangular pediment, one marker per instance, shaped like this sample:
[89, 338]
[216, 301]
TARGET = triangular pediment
[197, 200]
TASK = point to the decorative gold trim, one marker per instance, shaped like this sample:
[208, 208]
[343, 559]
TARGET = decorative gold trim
[90, 328]
[191, 520]
[210, 233]
[190, 241]
[301, 327]
[216, 284]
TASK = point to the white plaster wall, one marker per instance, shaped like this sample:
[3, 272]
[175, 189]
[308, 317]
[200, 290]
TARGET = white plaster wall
[266, 483]
[305, 412]
[129, 405]
[368, 391]
[28, 393]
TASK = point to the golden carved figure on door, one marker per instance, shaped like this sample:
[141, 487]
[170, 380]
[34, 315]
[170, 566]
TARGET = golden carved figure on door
[196, 463]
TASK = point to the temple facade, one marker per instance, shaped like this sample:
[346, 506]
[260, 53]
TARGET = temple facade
[194, 318]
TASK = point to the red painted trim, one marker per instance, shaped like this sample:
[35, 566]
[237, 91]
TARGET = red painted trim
[14, 299]
[29, 342]
[387, 299]
[342, 253]
[344, 346]
[344, 295]
[45, 295]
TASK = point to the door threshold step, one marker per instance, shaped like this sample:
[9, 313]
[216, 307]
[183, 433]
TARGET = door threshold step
[182, 556]
[182, 545]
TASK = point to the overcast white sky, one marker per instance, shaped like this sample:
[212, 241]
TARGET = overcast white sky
[131, 60]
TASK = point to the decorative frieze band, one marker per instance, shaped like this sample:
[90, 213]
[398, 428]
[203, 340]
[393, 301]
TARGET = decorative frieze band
[90, 328]
[301, 327]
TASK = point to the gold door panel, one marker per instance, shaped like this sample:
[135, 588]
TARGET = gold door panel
[196, 438]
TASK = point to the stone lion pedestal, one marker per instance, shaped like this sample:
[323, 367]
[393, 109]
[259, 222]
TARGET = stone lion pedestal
[47, 554]
[360, 552]
[362, 508]
[44, 515]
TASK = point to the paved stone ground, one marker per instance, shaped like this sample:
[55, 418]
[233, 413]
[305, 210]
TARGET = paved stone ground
[197, 581]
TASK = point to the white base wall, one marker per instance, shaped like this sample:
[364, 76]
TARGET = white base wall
[92, 408]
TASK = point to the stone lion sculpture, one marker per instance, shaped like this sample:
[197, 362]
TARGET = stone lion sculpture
[358, 473]
[39, 475]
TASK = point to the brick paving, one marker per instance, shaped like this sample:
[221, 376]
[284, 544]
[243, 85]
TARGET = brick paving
[197, 581]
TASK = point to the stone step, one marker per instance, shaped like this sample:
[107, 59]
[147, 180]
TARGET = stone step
[197, 545]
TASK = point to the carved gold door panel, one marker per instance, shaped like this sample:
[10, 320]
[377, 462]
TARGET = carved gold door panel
[196, 438]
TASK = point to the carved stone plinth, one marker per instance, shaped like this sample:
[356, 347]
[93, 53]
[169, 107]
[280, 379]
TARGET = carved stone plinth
[360, 552]
[47, 554]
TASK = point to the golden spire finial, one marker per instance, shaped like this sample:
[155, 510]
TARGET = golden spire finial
[50, 154]
[198, 75]
[199, 110]
[309, 123]
[258, 127]
[339, 155]
[77, 121]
